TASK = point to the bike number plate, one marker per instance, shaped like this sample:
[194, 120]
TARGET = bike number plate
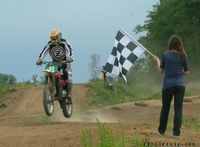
[52, 69]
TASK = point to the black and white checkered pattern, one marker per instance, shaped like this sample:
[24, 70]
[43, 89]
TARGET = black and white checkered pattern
[125, 52]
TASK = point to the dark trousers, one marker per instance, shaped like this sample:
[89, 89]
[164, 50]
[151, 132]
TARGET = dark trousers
[167, 95]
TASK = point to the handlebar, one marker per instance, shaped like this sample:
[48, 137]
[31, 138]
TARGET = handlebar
[68, 60]
[54, 63]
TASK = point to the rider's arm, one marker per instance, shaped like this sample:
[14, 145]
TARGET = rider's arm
[45, 51]
[68, 47]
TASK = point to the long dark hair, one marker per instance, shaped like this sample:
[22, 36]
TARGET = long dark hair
[175, 43]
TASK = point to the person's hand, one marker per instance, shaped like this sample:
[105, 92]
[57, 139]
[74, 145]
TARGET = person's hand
[156, 58]
[39, 62]
[158, 63]
[69, 59]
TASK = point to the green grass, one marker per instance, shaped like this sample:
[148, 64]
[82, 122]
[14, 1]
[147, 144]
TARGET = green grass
[4, 89]
[192, 88]
[86, 138]
[191, 122]
[106, 137]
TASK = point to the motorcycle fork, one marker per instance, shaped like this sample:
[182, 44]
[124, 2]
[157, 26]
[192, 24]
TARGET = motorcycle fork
[51, 81]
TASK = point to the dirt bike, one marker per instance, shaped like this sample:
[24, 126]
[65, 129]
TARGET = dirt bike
[53, 78]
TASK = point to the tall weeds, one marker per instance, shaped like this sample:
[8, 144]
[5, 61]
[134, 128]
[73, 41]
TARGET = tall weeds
[106, 137]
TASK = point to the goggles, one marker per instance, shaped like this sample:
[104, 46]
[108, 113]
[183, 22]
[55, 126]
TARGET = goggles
[54, 37]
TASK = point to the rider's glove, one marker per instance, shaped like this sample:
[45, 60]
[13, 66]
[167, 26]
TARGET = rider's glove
[39, 62]
[69, 59]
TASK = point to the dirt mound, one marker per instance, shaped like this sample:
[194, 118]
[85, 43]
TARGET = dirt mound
[21, 122]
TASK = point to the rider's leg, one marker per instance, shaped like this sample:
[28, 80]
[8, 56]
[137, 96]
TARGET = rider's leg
[67, 76]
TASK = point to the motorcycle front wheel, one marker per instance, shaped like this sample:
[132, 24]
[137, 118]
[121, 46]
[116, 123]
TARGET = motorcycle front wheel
[67, 106]
[48, 100]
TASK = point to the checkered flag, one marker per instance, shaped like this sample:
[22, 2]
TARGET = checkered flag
[125, 52]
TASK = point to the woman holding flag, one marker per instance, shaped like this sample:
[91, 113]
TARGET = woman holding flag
[174, 65]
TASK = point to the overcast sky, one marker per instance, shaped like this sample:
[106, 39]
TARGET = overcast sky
[89, 25]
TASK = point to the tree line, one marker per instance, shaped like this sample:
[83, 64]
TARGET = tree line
[7, 79]
[10, 79]
[173, 17]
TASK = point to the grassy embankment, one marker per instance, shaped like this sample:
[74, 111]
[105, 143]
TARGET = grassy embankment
[103, 95]
[4, 89]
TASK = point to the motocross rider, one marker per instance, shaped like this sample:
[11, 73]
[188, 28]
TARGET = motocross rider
[59, 49]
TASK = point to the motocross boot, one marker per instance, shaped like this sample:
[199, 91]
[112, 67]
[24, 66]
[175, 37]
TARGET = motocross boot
[69, 87]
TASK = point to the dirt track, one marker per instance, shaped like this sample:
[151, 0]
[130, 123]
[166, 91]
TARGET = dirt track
[22, 122]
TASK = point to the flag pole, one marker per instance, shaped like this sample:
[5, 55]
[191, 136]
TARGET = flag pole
[135, 41]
